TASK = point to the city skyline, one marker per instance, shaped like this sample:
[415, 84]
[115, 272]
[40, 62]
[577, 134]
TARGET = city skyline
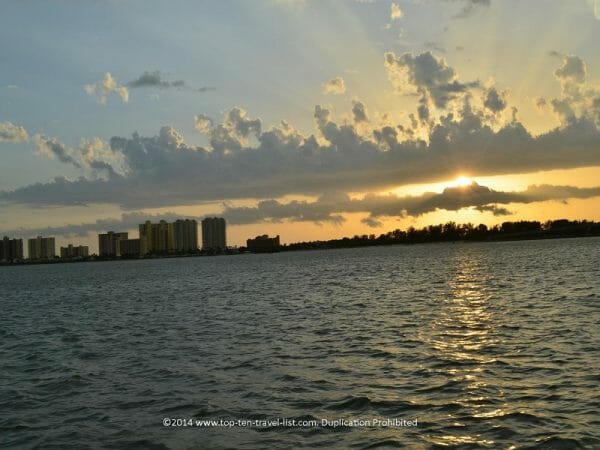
[180, 239]
[310, 120]
[161, 238]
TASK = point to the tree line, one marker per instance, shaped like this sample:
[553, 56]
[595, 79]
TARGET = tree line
[453, 232]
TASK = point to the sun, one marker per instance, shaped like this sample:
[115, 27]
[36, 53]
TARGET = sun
[462, 181]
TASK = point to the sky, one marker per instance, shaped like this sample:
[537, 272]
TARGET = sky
[307, 119]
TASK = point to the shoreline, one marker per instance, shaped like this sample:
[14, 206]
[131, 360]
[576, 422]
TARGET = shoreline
[309, 246]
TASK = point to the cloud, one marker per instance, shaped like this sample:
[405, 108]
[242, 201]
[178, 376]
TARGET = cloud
[431, 77]
[10, 132]
[51, 148]
[573, 69]
[331, 207]
[273, 211]
[395, 12]
[540, 103]
[235, 131]
[96, 155]
[564, 109]
[245, 159]
[154, 79]
[494, 209]
[127, 221]
[203, 123]
[240, 125]
[103, 88]
[359, 111]
[578, 99]
[334, 86]
[91, 154]
[493, 100]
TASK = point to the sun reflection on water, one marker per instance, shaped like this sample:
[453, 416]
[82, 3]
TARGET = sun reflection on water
[462, 337]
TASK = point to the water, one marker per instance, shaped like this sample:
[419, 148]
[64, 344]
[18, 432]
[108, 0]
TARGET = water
[486, 345]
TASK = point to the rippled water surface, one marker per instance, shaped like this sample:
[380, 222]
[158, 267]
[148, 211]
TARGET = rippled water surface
[486, 345]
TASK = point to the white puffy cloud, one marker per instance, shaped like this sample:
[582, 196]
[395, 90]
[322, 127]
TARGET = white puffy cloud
[203, 123]
[108, 85]
[235, 131]
[10, 132]
[97, 155]
[395, 12]
[335, 86]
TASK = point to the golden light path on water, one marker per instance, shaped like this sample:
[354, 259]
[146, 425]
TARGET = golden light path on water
[462, 336]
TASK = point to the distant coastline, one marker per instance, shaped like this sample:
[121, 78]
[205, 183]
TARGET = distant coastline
[441, 233]
[453, 232]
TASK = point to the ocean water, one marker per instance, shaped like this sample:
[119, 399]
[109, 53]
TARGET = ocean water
[492, 345]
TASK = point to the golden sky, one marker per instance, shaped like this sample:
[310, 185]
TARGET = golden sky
[307, 119]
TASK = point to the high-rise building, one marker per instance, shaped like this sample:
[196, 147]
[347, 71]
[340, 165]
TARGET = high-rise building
[11, 249]
[156, 238]
[263, 244]
[109, 243]
[130, 248]
[185, 233]
[213, 234]
[74, 251]
[41, 248]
